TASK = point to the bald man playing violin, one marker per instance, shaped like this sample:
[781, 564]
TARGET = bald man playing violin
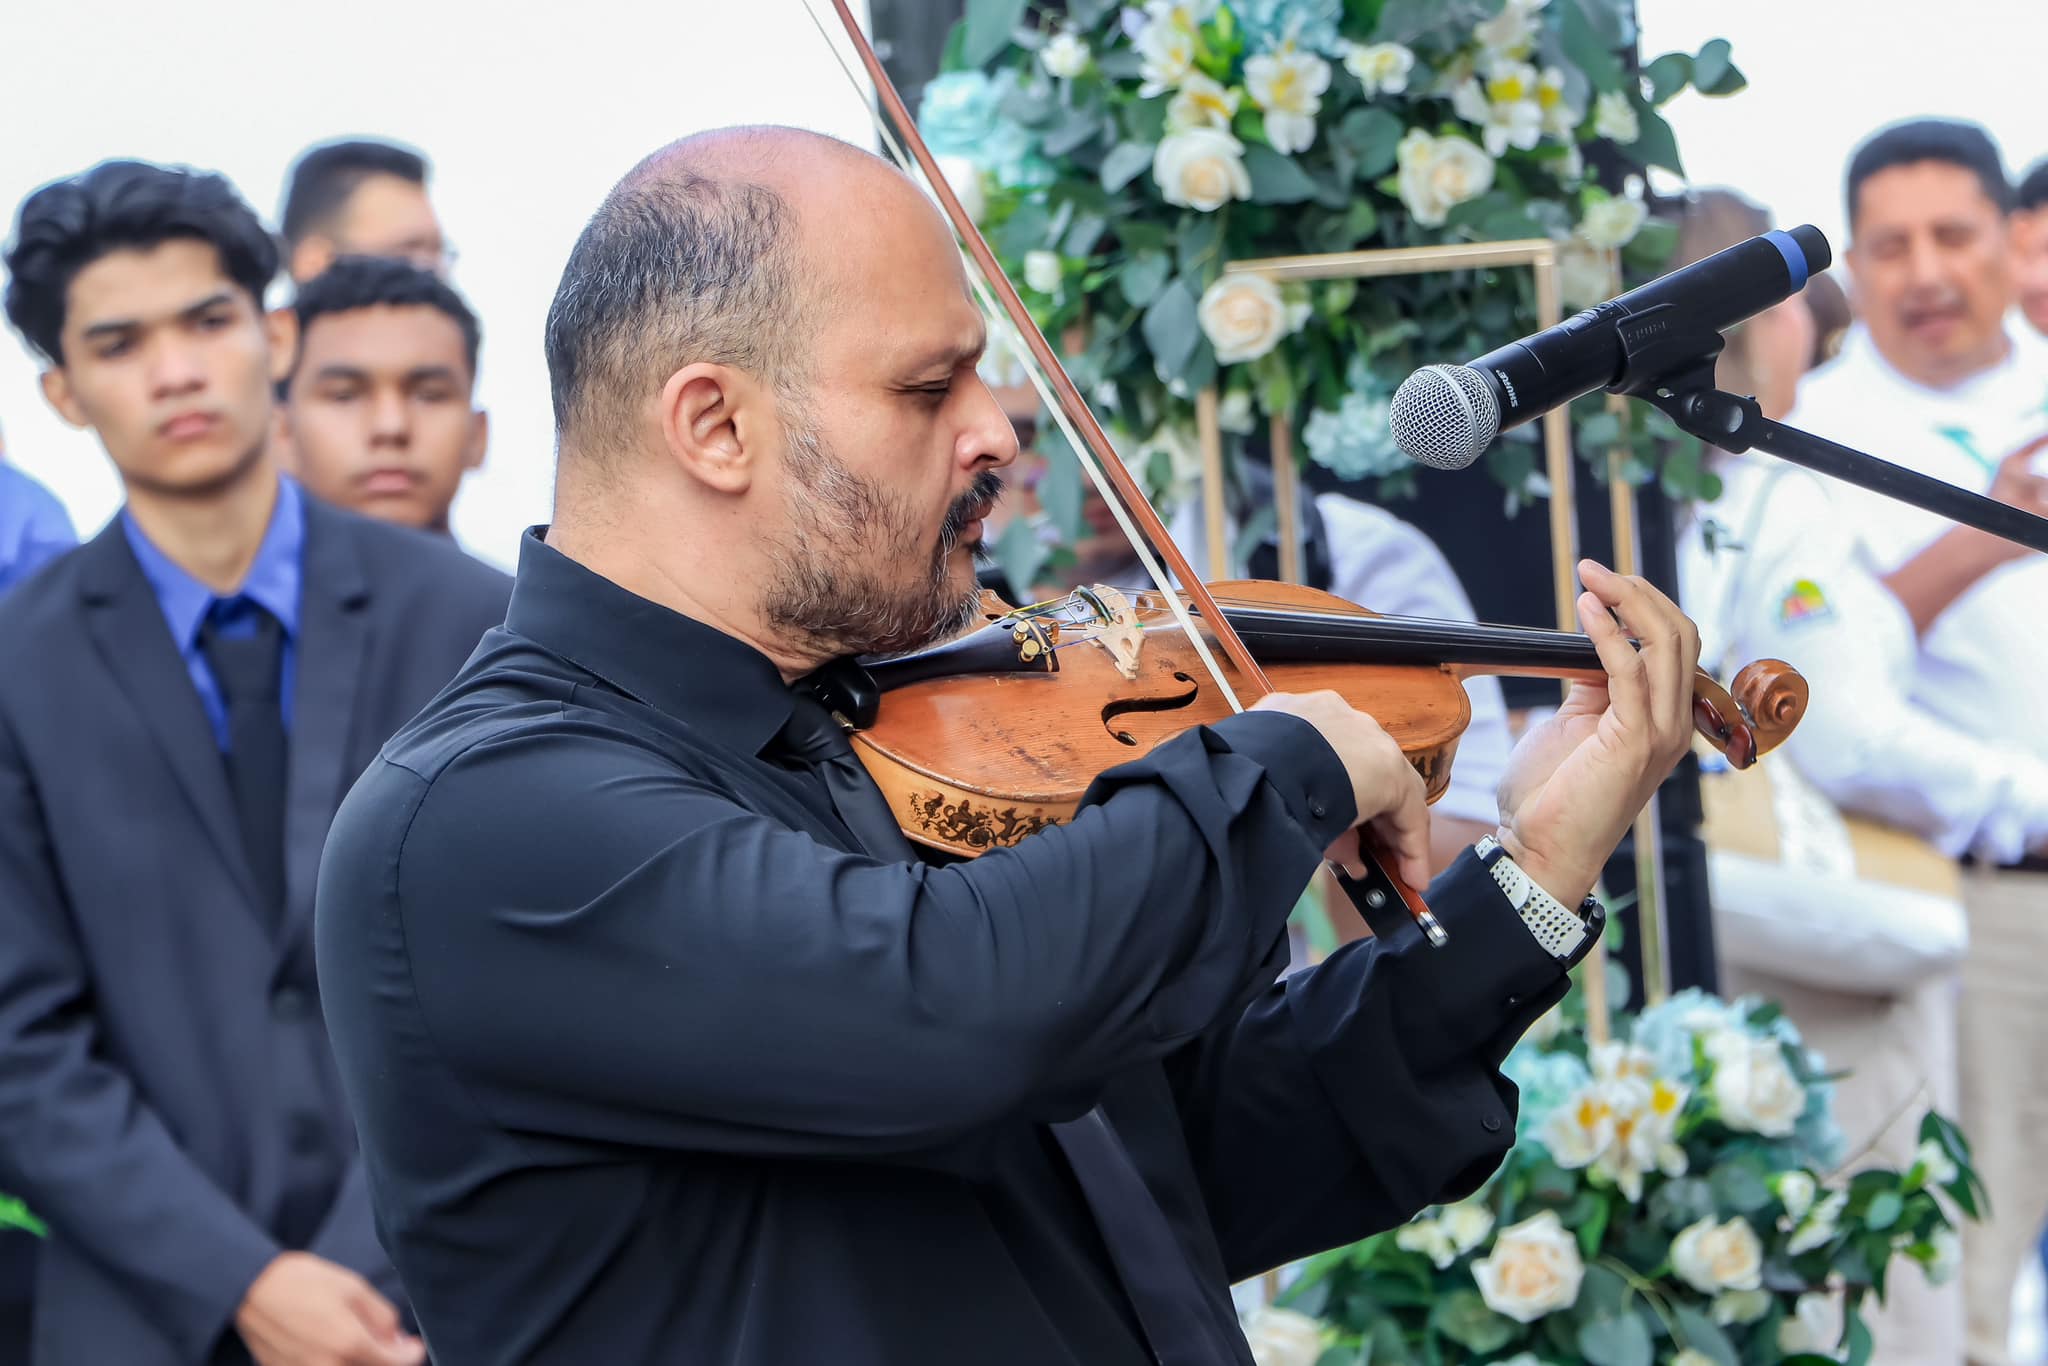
[663, 1043]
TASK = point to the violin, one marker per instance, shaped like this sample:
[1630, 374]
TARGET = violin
[986, 738]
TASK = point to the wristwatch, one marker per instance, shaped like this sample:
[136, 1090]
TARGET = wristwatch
[1563, 933]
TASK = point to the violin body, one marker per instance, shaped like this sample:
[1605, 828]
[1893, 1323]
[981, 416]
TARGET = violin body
[1033, 742]
[978, 743]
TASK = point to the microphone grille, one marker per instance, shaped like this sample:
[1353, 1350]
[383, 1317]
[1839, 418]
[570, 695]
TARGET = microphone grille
[1444, 416]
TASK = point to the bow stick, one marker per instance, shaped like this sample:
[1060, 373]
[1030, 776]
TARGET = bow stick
[1379, 887]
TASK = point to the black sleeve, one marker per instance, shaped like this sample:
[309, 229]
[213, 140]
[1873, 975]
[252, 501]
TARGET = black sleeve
[613, 951]
[1354, 1093]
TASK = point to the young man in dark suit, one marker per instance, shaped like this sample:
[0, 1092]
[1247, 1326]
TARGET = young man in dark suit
[189, 695]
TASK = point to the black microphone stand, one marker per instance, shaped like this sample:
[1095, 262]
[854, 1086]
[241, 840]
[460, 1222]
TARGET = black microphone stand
[1671, 367]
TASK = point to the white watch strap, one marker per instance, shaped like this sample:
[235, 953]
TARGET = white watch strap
[1556, 926]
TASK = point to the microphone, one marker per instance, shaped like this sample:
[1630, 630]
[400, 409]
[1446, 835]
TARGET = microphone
[1445, 415]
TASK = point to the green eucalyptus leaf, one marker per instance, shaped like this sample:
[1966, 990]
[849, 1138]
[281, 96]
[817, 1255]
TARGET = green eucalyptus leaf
[1586, 49]
[1126, 162]
[1857, 1335]
[1703, 1335]
[988, 25]
[1082, 237]
[1371, 135]
[1602, 1294]
[1171, 328]
[1712, 65]
[1072, 133]
[1125, 64]
[1593, 1227]
[1143, 276]
[1059, 493]
[953, 57]
[1087, 14]
[1617, 1340]
[1462, 1316]
[1668, 75]
[1741, 1185]
[1276, 177]
[1657, 145]
[1198, 243]
[1884, 1211]
[1021, 553]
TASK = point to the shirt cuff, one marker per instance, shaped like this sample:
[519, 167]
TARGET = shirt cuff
[1490, 982]
[1302, 767]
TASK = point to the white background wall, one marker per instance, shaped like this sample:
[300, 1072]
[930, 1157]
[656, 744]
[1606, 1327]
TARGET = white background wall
[530, 112]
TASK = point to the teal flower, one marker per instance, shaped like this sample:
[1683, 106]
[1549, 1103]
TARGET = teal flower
[959, 114]
[1312, 24]
[1546, 1081]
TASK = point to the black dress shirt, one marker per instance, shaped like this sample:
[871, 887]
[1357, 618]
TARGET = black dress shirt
[650, 1065]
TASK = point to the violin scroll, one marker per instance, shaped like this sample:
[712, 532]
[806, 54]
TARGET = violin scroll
[1773, 694]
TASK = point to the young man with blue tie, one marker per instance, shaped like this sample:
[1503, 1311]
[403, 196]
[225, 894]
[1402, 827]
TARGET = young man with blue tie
[205, 679]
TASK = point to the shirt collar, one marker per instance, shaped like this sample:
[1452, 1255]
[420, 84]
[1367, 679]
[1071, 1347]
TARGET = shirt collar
[273, 580]
[671, 662]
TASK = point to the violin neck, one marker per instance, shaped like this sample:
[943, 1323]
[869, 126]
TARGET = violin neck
[1466, 648]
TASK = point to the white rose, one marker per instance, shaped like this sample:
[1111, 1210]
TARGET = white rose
[1288, 85]
[1753, 1088]
[965, 179]
[1711, 1257]
[1614, 223]
[1614, 118]
[1741, 1306]
[1534, 1269]
[1201, 168]
[1042, 271]
[1430, 1238]
[1234, 414]
[1382, 68]
[1795, 1191]
[1583, 278]
[1066, 56]
[1692, 1356]
[1282, 1337]
[1938, 1168]
[1948, 1257]
[1166, 50]
[1814, 1325]
[1467, 1222]
[1243, 316]
[1820, 1224]
[1438, 174]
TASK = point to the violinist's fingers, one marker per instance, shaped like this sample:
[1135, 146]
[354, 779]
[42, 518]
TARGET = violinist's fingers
[1628, 674]
[1344, 851]
[1402, 832]
[1668, 640]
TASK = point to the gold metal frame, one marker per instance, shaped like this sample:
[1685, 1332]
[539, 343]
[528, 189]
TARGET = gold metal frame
[1540, 256]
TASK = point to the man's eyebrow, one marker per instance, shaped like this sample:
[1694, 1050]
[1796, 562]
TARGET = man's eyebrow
[423, 372]
[115, 326]
[337, 370]
[950, 358]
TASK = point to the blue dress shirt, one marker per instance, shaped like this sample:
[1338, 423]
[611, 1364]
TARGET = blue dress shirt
[33, 527]
[272, 583]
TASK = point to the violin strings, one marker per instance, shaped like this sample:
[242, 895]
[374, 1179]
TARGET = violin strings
[1001, 325]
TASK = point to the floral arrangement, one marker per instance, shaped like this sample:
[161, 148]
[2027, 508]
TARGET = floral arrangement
[1669, 1199]
[1117, 157]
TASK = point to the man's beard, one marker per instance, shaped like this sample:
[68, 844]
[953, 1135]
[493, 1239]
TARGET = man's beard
[825, 598]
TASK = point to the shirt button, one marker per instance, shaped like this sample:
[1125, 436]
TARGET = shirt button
[1318, 810]
[1491, 1124]
[290, 1003]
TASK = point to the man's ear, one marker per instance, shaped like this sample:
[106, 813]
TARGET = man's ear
[311, 256]
[57, 391]
[708, 423]
[479, 440]
[281, 326]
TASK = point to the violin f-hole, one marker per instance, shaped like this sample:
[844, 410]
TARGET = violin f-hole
[1125, 706]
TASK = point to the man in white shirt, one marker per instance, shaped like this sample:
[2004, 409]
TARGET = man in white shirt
[1935, 378]
[2030, 245]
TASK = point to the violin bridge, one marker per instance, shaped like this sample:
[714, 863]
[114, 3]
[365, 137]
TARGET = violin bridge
[1120, 634]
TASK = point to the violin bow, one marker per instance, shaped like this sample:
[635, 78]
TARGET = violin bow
[1380, 887]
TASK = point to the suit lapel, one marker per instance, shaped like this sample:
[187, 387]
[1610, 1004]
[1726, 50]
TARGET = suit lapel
[128, 629]
[333, 651]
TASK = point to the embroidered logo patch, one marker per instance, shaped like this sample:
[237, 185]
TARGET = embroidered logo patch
[1804, 603]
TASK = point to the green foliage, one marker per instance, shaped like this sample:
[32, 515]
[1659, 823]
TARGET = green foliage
[1070, 158]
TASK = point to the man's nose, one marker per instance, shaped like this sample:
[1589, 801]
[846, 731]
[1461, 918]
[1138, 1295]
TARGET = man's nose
[174, 368]
[990, 439]
[390, 420]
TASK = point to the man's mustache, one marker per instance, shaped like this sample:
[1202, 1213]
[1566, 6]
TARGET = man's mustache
[978, 501]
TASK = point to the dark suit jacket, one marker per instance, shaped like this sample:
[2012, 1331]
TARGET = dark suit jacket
[168, 1103]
